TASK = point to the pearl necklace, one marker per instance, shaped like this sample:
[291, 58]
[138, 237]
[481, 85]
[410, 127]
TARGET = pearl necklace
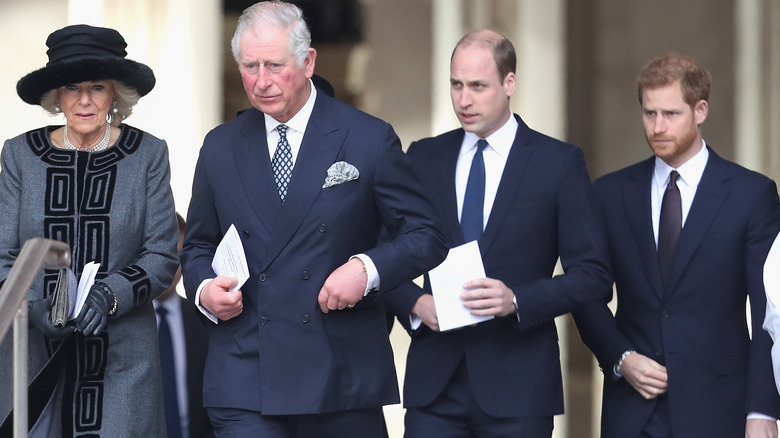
[102, 145]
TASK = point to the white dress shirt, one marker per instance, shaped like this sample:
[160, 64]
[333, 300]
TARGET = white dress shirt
[495, 156]
[690, 175]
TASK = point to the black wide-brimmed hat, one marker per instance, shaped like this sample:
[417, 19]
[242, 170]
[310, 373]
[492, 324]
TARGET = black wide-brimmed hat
[82, 53]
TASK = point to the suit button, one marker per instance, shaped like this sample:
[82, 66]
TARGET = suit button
[305, 275]
[322, 228]
[263, 320]
[305, 319]
[665, 314]
[262, 277]
[246, 233]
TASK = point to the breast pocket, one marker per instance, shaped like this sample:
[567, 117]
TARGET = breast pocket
[346, 191]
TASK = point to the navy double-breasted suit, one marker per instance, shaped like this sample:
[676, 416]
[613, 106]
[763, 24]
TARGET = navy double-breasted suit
[544, 209]
[698, 327]
[282, 355]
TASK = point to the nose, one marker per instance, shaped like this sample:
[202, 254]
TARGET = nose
[263, 79]
[659, 125]
[464, 98]
[84, 96]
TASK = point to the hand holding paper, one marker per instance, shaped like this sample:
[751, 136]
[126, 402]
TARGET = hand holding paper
[217, 298]
[463, 263]
[230, 259]
[488, 296]
[229, 263]
[85, 283]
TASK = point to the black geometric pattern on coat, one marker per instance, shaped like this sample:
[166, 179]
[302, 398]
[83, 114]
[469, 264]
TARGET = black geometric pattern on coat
[78, 200]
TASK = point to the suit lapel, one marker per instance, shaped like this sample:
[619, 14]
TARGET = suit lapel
[321, 144]
[636, 199]
[518, 159]
[254, 167]
[708, 200]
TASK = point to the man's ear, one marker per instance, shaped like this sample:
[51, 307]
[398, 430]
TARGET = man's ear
[509, 84]
[700, 111]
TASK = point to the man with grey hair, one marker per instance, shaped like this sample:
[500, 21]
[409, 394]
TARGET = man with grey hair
[301, 348]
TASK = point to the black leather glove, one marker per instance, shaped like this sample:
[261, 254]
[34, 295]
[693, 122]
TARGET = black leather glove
[39, 315]
[94, 315]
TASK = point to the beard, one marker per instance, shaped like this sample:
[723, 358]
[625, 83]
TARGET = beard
[680, 149]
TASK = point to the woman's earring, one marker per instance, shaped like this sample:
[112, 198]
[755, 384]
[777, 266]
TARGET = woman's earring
[114, 109]
[57, 108]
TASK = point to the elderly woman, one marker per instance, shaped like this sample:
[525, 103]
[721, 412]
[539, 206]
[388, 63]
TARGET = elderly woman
[102, 187]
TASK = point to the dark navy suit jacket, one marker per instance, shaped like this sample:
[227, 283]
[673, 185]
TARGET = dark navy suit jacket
[698, 328]
[282, 355]
[544, 209]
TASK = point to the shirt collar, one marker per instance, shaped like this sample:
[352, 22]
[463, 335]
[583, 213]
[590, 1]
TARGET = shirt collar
[299, 121]
[690, 172]
[500, 141]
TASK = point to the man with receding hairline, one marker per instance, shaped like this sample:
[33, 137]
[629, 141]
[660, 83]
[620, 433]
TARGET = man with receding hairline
[501, 377]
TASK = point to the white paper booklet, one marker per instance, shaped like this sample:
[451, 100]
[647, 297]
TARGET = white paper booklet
[85, 283]
[230, 259]
[463, 263]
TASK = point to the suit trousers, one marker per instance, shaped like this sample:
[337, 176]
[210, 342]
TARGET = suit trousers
[455, 414]
[240, 423]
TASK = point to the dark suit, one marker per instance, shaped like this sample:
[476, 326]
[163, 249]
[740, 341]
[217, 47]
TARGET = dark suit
[697, 329]
[196, 340]
[282, 355]
[544, 208]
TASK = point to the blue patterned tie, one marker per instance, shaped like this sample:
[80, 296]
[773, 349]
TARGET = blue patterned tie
[282, 163]
[168, 367]
[471, 216]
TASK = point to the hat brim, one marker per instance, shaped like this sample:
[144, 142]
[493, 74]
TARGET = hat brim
[33, 86]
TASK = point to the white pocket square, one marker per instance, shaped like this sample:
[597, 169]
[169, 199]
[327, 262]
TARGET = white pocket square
[339, 173]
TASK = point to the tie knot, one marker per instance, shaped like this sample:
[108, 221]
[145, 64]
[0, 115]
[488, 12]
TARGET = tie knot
[673, 177]
[481, 144]
[162, 311]
[282, 129]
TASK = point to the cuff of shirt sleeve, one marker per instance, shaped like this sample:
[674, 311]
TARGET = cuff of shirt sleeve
[202, 309]
[757, 416]
[372, 283]
[415, 321]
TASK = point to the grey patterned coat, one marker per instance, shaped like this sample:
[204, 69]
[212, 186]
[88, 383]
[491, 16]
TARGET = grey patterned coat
[114, 207]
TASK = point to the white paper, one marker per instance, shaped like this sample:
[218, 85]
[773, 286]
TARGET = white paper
[463, 263]
[230, 260]
[85, 283]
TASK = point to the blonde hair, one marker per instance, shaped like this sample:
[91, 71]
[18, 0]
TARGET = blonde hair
[125, 98]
